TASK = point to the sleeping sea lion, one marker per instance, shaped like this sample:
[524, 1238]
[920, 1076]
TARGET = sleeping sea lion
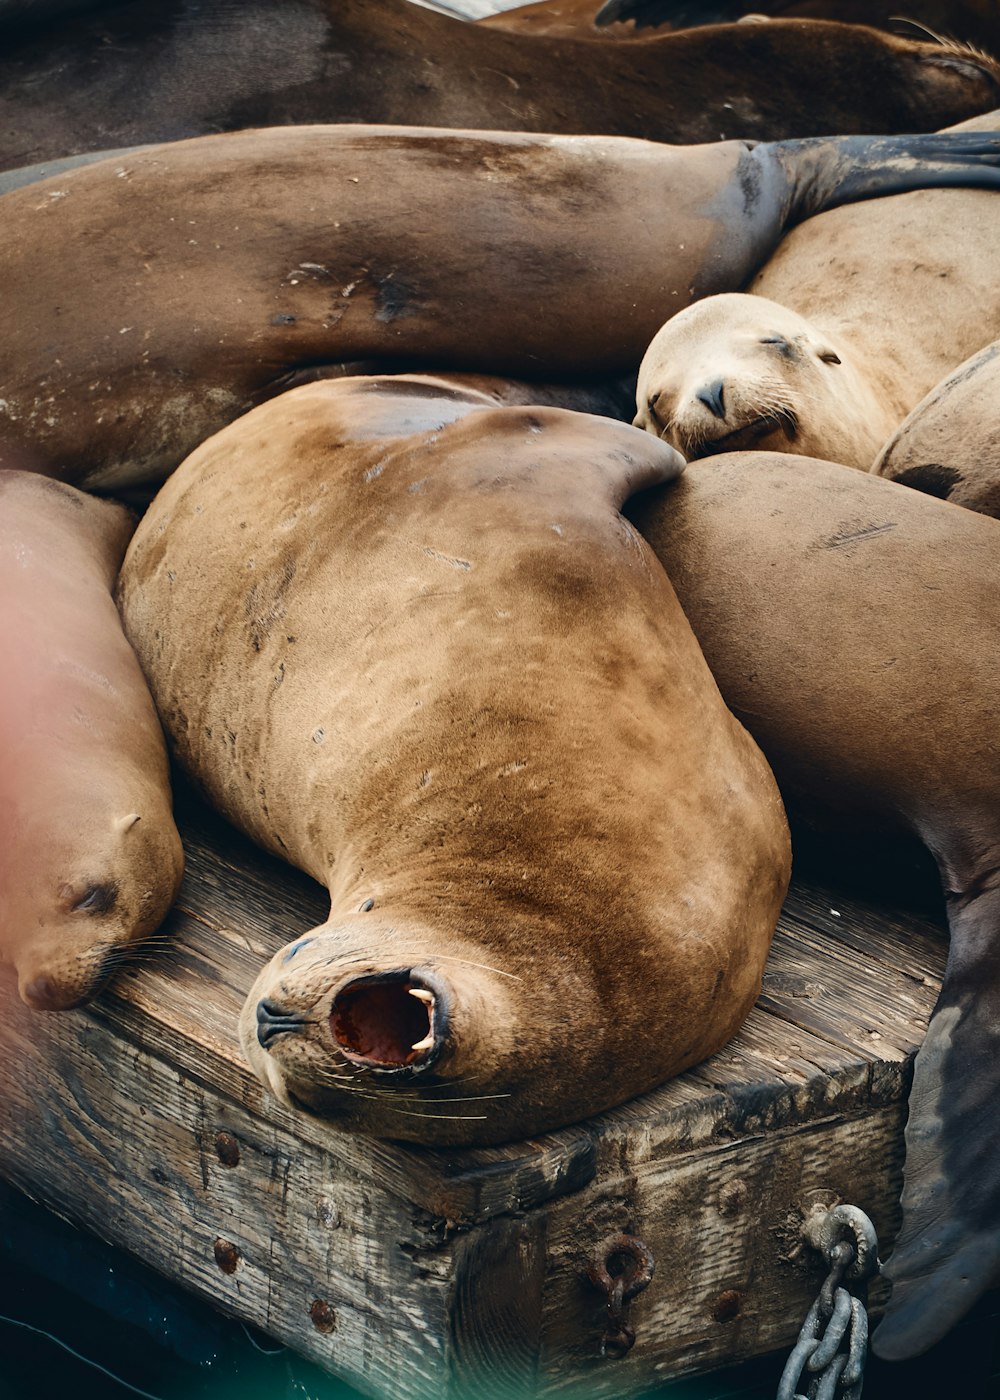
[852, 626]
[405, 639]
[949, 446]
[735, 372]
[90, 859]
[891, 295]
[194, 277]
[158, 70]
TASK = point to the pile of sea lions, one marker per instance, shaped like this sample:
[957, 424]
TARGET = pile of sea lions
[396, 618]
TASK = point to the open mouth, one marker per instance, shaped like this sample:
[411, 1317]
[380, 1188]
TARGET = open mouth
[747, 437]
[389, 1021]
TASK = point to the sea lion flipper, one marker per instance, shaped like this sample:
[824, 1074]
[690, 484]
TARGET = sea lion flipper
[824, 172]
[948, 1250]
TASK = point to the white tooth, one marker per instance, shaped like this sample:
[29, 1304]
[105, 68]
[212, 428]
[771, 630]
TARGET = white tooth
[425, 1044]
[421, 994]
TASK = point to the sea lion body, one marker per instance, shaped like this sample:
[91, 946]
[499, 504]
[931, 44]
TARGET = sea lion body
[90, 859]
[852, 626]
[475, 712]
[562, 19]
[205, 272]
[949, 446]
[904, 289]
[160, 70]
[972, 21]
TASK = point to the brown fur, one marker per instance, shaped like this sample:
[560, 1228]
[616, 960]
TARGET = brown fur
[413, 647]
[902, 288]
[307, 246]
[975, 22]
[562, 19]
[949, 446]
[852, 625]
[90, 859]
[158, 70]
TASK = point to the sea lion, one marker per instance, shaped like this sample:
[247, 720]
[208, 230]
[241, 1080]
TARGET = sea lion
[406, 640]
[949, 446]
[736, 372]
[852, 625]
[895, 294]
[90, 859]
[194, 277]
[972, 21]
[158, 70]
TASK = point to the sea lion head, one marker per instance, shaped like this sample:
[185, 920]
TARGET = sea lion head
[736, 372]
[78, 892]
[369, 1022]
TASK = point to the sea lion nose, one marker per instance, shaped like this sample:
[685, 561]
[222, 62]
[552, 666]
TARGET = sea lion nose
[274, 1020]
[712, 396]
[391, 1021]
[43, 993]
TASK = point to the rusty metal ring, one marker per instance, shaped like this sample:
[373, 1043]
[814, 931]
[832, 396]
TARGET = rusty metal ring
[632, 1280]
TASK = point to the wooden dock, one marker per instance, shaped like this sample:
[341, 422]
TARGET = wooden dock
[417, 1273]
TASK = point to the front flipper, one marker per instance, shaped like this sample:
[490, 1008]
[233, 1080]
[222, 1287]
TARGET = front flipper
[948, 1250]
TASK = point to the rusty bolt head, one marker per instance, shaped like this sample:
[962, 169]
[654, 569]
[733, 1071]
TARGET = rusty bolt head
[728, 1306]
[324, 1319]
[733, 1197]
[228, 1149]
[227, 1256]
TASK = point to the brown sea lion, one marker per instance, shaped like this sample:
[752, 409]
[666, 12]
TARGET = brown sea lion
[949, 446]
[159, 70]
[882, 302]
[735, 372]
[193, 278]
[406, 640]
[90, 859]
[852, 626]
[972, 21]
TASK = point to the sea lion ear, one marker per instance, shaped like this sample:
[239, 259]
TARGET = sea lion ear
[828, 356]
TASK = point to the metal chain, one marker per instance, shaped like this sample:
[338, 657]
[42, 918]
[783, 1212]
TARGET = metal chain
[623, 1268]
[828, 1360]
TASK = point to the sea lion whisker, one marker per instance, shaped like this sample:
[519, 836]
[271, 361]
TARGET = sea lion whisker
[453, 1117]
[449, 1098]
[485, 967]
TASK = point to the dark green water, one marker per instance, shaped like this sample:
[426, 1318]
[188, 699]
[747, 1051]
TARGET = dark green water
[117, 1315]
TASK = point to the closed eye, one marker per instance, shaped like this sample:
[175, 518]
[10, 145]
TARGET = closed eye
[829, 358]
[783, 346]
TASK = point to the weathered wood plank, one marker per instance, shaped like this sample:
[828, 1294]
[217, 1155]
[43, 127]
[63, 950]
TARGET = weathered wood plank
[413, 1272]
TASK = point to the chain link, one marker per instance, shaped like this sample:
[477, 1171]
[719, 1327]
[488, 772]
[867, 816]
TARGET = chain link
[828, 1359]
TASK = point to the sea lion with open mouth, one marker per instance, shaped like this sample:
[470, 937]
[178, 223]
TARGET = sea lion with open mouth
[406, 640]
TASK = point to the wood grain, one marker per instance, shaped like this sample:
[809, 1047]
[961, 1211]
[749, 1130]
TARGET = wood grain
[418, 1273]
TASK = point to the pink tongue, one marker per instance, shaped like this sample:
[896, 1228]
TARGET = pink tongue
[381, 1022]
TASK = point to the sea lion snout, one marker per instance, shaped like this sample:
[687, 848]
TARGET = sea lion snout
[273, 1020]
[374, 1039]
